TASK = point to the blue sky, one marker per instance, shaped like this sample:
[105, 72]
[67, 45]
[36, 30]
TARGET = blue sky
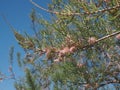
[17, 13]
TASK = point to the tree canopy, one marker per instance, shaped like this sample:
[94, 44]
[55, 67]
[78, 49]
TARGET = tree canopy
[79, 48]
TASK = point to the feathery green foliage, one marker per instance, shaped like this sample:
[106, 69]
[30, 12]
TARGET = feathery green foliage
[76, 49]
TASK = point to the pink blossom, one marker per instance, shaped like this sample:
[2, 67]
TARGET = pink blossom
[57, 60]
[118, 36]
[80, 65]
[107, 0]
[91, 40]
[72, 49]
[65, 50]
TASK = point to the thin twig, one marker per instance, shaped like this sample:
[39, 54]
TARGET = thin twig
[100, 39]
[113, 34]
[7, 22]
[75, 14]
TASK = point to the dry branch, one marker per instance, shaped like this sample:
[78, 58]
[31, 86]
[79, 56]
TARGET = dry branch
[73, 13]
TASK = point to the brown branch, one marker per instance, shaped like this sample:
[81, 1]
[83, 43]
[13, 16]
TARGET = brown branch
[100, 39]
[113, 34]
[75, 14]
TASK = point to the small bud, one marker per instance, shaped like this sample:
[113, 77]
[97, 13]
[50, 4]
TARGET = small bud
[65, 50]
[72, 49]
[96, 85]
[80, 65]
[48, 53]
[1, 79]
[91, 40]
[117, 40]
[106, 0]
[115, 73]
[114, 81]
[118, 36]
[57, 60]
[87, 85]
[30, 60]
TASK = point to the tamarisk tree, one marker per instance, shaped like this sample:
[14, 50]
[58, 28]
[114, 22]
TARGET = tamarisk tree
[78, 49]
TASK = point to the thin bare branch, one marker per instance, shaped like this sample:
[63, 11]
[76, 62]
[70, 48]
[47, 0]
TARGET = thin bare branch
[73, 13]
[113, 34]
[100, 39]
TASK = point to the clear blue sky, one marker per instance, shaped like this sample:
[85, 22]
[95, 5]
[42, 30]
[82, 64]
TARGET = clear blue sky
[17, 13]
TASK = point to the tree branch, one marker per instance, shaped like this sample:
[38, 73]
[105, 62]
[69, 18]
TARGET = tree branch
[100, 39]
[75, 14]
[113, 34]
